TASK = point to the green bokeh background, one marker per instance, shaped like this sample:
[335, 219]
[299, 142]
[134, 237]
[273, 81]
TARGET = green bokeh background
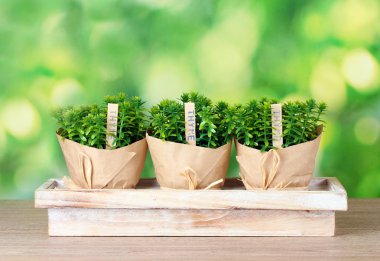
[62, 52]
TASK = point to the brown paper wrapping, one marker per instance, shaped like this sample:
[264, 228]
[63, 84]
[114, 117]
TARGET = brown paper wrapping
[94, 168]
[285, 168]
[184, 166]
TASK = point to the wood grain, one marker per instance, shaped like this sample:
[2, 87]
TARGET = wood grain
[24, 236]
[323, 194]
[165, 222]
[233, 211]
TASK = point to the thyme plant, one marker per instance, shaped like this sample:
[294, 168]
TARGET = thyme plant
[300, 121]
[87, 125]
[132, 119]
[167, 121]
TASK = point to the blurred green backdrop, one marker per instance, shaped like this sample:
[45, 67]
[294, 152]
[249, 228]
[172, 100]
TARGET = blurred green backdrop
[64, 52]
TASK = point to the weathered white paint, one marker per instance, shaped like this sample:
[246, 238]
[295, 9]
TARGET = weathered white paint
[323, 194]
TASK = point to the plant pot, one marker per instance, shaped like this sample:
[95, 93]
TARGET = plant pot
[93, 168]
[184, 166]
[284, 168]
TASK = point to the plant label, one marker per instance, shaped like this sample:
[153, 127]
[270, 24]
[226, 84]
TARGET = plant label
[190, 123]
[112, 113]
[277, 125]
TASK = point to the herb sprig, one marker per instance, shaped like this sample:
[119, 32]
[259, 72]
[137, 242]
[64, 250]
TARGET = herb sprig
[253, 126]
[214, 123]
[87, 125]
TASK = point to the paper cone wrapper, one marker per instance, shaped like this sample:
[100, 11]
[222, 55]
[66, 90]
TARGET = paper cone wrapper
[93, 168]
[184, 166]
[285, 168]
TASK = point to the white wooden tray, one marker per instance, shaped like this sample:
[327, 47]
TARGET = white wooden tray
[232, 211]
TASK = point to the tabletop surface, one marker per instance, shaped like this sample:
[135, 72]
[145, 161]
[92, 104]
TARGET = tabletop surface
[23, 236]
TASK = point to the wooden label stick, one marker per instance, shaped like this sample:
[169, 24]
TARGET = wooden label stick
[190, 123]
[277, 125]
[112, 113]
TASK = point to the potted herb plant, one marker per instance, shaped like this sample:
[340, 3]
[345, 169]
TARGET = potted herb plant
[179, 165]
[82, 134]
[262, 166]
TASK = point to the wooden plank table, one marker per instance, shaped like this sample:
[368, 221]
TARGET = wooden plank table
[23, 236]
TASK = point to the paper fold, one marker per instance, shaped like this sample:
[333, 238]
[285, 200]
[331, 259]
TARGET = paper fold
[94, 168]
[183, 166]
[283, 168]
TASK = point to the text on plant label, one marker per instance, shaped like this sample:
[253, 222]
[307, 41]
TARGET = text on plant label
[112, 113]
[190, 123]
[277, 125]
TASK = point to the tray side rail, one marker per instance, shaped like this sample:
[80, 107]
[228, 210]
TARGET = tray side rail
[334, 198]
